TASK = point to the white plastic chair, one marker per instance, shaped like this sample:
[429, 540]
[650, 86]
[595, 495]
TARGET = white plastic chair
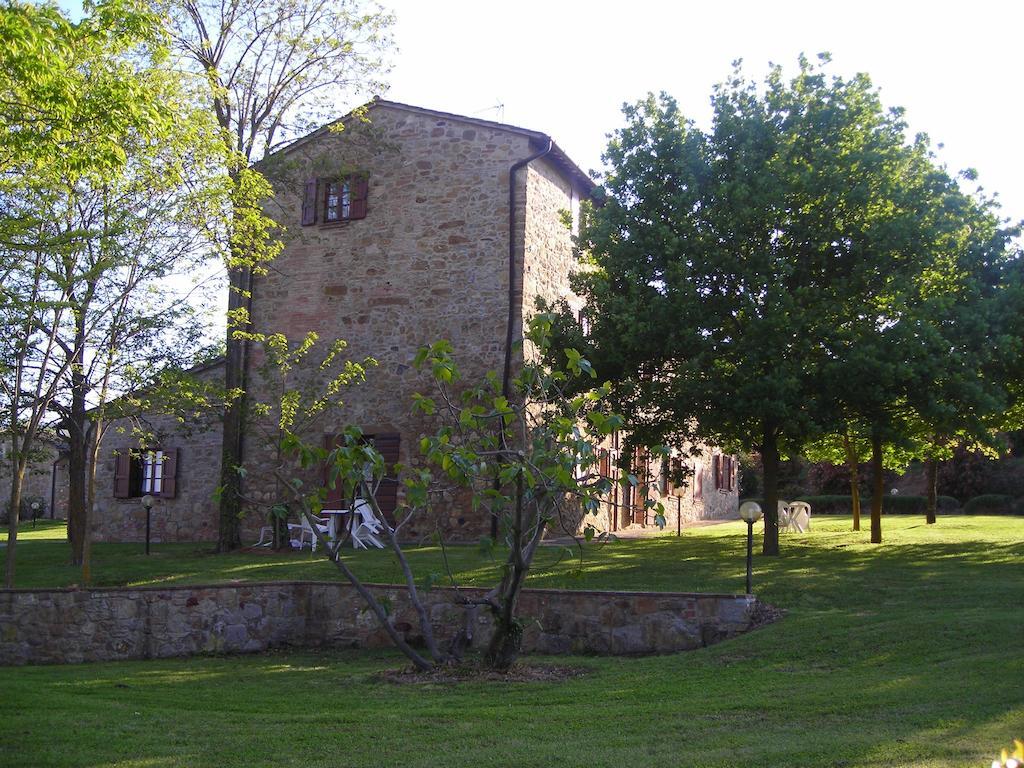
[305, 528]
[800, 516]
[785, 516]
[268, 532]
[367, 528]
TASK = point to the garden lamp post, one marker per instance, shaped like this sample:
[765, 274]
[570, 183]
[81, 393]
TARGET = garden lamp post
[147, 502]
[750, 513]
[35, 512]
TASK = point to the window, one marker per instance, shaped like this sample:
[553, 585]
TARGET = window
[387, 443]
[725, 473]
[152, 466]
[152, 471]
[335, 200]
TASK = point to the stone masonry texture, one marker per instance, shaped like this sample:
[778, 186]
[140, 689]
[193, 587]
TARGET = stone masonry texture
[72, 626]
[192, 514]
[429, 261]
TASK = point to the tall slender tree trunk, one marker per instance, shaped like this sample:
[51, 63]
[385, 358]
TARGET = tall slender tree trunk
[877, 486]
[77, 459]
[854, 465]
[92, 444]
[933, 492]
[770, 465]
[229, 528]
[18, 465]
[507, 640]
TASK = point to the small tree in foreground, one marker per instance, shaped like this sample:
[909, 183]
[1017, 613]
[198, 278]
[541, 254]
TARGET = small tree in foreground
[530, 460]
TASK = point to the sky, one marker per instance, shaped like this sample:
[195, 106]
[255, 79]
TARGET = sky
[565, 67]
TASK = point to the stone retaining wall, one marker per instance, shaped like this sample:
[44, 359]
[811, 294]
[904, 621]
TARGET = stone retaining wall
[72, 625]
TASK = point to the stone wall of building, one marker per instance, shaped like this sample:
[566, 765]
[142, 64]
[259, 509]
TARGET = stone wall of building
[428, 262]
[40, 483]
[71, 626]
[548, 260]
[683, 506]
[191, 515]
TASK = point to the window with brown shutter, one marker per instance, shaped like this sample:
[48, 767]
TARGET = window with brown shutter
[360, 190]
[122, 476]
[334, 200]
[309, 203]
[152, 471]
[169, 487]
[387, 492]
[725, 473]
[698, 480]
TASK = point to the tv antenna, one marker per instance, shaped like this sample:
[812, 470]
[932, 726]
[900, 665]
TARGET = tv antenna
[498, 110]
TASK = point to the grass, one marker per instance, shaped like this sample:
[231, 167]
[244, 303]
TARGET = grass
[906, 654]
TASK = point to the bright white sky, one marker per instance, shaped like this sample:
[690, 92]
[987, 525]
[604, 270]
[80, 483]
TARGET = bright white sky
[566, 67]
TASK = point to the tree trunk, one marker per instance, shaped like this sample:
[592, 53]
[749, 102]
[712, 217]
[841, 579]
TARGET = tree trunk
[507, 640]
[18, 466]
[933, 495]
[76, 427]
[92, 444]
[877, 486]
[229, 528]
[854, 465]
[770, 465]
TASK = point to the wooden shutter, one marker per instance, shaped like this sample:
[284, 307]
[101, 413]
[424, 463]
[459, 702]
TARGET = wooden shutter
[387, 494]
[359, 189]
[698, 480]
[169, 483]
[605, 465]
[122, 475]
[334, 498]
[309, 203]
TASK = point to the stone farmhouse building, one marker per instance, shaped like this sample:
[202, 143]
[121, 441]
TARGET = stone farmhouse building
[404, 228]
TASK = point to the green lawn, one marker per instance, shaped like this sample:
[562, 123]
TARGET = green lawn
[906, 654]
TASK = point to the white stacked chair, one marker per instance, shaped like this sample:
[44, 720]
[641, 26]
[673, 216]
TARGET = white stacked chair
[800, 516]
[366, 527]
[305, 529]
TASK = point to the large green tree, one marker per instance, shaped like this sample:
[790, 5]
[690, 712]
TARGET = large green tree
[730, 268]
[72, 97]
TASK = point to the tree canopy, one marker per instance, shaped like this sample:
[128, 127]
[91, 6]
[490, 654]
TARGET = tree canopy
[801, 263]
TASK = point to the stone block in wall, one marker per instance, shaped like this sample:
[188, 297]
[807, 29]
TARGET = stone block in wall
[47, 626]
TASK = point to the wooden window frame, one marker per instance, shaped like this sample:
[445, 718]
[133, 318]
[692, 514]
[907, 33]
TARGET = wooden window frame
[351, 193]
[151, 470]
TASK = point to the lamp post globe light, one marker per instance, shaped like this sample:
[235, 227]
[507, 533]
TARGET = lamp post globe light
[147, 502]
[750, 513]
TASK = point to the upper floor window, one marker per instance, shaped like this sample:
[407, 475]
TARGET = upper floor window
[337, 200]
[333, 200]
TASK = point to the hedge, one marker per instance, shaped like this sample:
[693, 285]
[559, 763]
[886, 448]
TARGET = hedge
[994, 504]
[891, 505]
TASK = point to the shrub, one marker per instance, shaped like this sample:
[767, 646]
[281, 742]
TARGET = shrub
[994, 504]
[967, 474]
[891, 505]
[27, 513]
